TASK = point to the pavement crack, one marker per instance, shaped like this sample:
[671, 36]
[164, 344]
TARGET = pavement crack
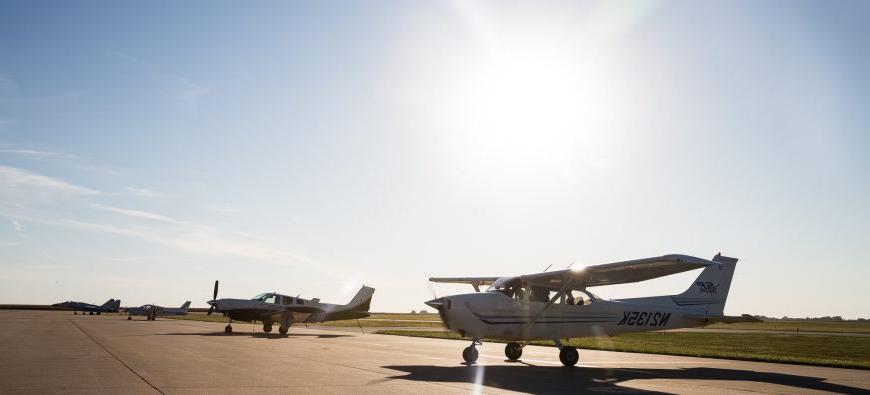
[106, 349]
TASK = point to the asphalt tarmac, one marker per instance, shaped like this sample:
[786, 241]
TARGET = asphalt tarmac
[59, 352]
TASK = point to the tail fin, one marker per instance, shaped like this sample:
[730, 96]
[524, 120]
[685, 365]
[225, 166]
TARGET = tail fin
[362, 300]
[117, 305]
[109, 304]
[185, 305]
[710, 289]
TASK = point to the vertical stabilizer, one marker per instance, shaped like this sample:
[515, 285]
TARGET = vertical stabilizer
[185, 305]
[362, 300]
[710, 290]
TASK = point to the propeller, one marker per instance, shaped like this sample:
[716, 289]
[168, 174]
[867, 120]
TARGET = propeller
[438, 304]
[213, 298]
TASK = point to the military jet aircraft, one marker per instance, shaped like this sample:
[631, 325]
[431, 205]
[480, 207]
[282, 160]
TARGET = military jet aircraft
[557, 305]
[272, 307]
[152, 311]
[111, 306]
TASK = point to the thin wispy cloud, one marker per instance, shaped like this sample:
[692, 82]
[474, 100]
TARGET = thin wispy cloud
[4, 123]
[191, 238]
[146, 193]
[18, 228]
[223, 208]
[138, 214]
[38, 153]
[7, 84]
[16, 181]
[190, 91]
[187, 90]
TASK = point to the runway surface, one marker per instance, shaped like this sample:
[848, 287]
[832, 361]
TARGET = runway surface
[61, 352]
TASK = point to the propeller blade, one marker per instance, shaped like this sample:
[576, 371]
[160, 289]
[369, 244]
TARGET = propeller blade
[214, 297]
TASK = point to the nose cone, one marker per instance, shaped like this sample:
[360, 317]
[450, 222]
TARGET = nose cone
[436, 303]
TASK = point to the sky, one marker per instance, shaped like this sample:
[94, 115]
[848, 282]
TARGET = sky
[148, 149]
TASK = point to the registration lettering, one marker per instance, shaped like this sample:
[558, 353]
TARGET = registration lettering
[644, 318]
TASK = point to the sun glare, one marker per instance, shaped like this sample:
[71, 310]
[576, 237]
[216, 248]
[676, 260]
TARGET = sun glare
[531, 111]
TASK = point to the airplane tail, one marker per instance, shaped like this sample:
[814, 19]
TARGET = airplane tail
[109, 304]
[710, 289]
[185, 305]
[362, 300]
[117, 306]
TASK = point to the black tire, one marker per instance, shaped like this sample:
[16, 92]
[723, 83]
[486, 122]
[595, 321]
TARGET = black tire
[129, 318]
[267, 328]
[513, 351]
[91, 313]
[228, 329]
[283, 331]
[75, 313]
[469, 354]
[569, 356]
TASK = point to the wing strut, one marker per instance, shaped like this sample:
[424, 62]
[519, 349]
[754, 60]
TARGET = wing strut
[567, 285]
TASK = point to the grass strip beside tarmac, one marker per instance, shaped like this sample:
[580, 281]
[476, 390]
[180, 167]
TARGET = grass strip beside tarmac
[834, 351]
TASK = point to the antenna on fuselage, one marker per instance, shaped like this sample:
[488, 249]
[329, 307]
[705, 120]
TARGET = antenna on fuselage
[572, 264]
[548, 267]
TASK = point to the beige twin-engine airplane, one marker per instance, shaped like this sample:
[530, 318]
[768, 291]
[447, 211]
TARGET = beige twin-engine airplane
[557, 305]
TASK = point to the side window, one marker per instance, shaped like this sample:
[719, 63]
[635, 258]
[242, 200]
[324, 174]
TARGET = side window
[287, 300]
[299, 301]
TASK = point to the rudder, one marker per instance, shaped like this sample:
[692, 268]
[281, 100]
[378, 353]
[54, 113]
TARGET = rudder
[362, 300]
[710, 289]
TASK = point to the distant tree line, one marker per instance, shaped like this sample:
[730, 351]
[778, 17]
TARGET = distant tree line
[825, 318]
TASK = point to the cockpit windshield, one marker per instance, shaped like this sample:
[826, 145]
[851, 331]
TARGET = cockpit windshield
[265, 297]
[514, 288]
[506, 285]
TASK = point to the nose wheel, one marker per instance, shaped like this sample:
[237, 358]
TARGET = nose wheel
[267, 327]
[513, 351]
[470, 354]
[283, 330]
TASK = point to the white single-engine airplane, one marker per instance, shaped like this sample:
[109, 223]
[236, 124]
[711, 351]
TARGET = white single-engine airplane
[271, 307]
[152, 311]
[557, 305]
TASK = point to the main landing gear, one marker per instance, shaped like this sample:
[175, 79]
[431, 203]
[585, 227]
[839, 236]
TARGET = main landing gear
[229, 328]
[283, 330]
[513, 351]
[567, 354]
[469, 354]
[267, 327]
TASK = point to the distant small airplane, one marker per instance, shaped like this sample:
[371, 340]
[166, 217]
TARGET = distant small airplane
[152, 311]
[111, 306]
[271, 307]
[557, 305]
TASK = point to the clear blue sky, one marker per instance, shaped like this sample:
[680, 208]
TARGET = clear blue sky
[147, 149]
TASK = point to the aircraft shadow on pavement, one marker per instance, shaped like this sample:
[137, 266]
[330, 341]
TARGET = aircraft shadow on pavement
[538, 379]
[257, 335]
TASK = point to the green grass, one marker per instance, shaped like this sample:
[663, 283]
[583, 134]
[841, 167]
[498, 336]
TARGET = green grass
[836, 351]
[799, 326]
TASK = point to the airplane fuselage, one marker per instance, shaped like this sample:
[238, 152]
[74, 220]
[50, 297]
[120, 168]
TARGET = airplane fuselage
[494, 315]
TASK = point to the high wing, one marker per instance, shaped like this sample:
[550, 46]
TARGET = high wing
[475, 282]
[618, 272]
